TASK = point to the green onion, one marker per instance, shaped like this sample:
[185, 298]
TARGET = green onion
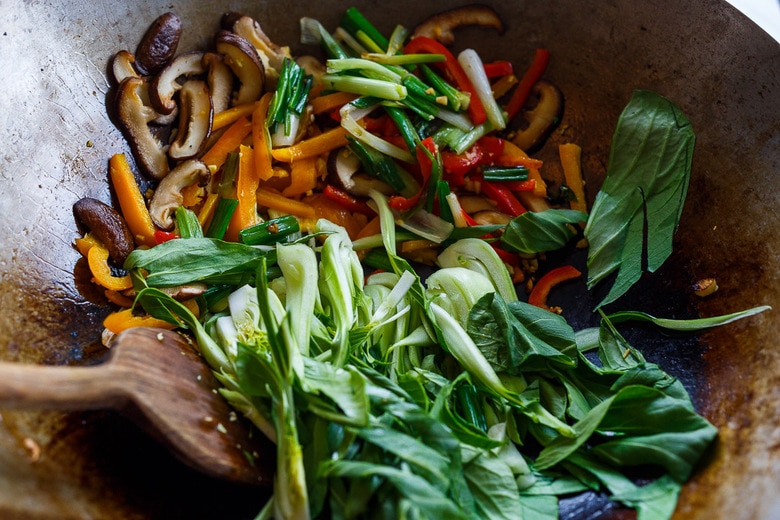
[365, 86]
[354, 23]
[368, 68]
[378, 259]
[508, 173]
[405, 126]
[381, 166]
[457, 100]
[270, 231]
[405, 59]
[442, 190]
[188, 224]
[222, 215]
[312, 32]
[226, 187]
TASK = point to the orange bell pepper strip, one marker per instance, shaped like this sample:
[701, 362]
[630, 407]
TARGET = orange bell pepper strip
[247, 182]
[512, 152]
[332, 101]
[84, 243]
[571, 163]
[532, 75]
[260, 141]
[97, 258]
[131, 200]
[303, 173]
[541, 289]
[124, 319]
[325, 142]
[279, 202]
[228, 142]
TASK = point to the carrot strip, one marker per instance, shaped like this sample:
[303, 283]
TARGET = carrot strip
[247, 182]
[332, 101]
[370, 229]
[323, 143]
[231, 115]
[571, 163]
[260, 141]
[228, 142]
[279, 202]
[131, 201]
[303, 173]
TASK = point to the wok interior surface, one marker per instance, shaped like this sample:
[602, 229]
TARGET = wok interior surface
[717, 66]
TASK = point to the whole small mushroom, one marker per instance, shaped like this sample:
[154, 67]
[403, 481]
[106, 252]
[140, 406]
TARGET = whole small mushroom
[158, 44]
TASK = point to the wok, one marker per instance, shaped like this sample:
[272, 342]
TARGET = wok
[56, 135]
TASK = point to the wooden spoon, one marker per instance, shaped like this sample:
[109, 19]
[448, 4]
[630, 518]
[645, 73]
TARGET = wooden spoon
[158, 379]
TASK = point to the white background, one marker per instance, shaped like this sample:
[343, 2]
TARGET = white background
[765, 13]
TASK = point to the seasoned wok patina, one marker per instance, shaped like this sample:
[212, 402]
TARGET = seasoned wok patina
[57, 134]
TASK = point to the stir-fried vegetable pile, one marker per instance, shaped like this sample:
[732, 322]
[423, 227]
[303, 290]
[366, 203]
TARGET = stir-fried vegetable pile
[291, 207]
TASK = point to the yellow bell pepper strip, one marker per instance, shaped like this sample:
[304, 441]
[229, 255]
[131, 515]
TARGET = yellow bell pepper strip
[84, 243]
[247, 182]
[571, 163]
[228, 142]
[303, 173]
[231, 115]
[207, 211]
[331, 101]
[131, 200]
[277, 201]
[541, 289]
[532, 75]
[318, 145]
[118, 298]
[97, 258]
[260, 140]
[124, 319]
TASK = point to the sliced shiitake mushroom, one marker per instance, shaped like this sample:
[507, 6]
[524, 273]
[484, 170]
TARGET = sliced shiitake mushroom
[271, 54]
[165, 85]
[123, 66]
[220, 80]
[441, 26]
[106, 225]
[344, 171]
[542, 118]
[167, 197]
[195, 117]
[243, 60]
[134, 118]
[158, 45]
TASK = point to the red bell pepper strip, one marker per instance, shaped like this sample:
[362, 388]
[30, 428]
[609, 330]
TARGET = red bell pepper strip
[531, 76]
[347, 201]
[492, 147]
[427, 146]
[163, 236]
[512, 259]
[456, 166]
[541, 290]
[497, 69]
[423, 44]
[505, 200]
[527, 185]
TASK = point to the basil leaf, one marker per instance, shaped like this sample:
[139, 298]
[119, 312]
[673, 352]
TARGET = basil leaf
[643, 194]
[537, 232]
[178, 262]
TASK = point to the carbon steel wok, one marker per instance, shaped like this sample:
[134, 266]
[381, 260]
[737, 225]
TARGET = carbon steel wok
[721, 69]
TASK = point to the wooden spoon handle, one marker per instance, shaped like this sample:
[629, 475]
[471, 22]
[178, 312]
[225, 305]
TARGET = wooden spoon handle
[25, 386]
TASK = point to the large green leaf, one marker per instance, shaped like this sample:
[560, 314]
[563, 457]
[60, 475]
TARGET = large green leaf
[638, 208]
